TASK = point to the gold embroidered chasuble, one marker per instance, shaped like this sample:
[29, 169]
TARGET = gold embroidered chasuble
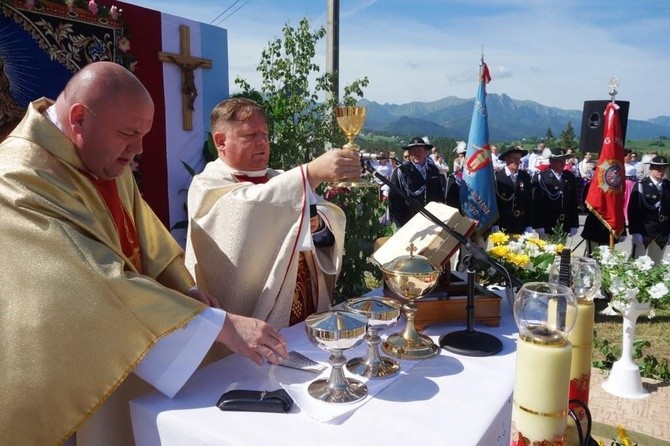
[77, 317]
[243, 242]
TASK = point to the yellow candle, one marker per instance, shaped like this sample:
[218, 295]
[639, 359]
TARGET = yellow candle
[541, 392]
[581, 339]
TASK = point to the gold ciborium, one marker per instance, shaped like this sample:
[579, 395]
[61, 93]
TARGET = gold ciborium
[350, 119]
[381, 312]
[336, 331]
[411, 277]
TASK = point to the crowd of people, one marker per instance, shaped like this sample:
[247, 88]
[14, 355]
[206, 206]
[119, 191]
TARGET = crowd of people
[542, 190]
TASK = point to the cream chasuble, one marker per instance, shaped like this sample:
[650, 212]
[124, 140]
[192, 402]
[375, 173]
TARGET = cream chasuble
[77, 317]
[244, 241]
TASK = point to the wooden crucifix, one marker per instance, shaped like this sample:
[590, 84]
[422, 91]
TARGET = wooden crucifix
[187, 64]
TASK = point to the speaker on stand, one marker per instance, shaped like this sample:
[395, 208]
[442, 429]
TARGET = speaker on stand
[593, 124]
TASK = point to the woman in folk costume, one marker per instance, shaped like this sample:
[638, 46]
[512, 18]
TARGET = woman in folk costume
[260, 239]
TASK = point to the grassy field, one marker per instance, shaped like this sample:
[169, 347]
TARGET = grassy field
[647, 146]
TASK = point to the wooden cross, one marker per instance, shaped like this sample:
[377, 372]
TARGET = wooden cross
[187, 64]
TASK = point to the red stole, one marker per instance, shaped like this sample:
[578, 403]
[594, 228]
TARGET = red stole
[303, 302]
[125, 228]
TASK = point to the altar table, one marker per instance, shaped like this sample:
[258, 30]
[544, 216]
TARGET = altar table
[448, 399]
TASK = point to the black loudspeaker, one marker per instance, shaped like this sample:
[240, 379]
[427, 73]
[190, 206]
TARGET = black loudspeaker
[593, 124]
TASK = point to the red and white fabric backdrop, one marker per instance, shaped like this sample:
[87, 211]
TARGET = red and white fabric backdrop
[163, 177]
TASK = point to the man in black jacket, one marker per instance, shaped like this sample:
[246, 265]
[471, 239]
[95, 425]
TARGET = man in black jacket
[513, 194]
[419, 179]
[555, 197]
[649, 212]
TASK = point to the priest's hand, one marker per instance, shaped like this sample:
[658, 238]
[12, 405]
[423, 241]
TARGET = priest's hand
[334, 165]
[203, 297]
[253, 338]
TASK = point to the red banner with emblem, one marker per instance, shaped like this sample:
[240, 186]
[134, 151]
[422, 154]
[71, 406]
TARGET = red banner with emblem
[606, 194]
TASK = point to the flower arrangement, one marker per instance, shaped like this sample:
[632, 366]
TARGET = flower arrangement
[526, 256]
[621, 440]
[636, 279]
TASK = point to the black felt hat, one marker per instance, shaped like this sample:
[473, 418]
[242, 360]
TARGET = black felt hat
[658, 161]
[418, 142]
[512, 150]
[559, 154]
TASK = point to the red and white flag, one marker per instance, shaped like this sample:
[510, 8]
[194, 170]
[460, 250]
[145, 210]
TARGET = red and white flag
[606, 194]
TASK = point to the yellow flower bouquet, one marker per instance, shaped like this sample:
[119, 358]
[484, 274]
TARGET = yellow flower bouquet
[525, 256]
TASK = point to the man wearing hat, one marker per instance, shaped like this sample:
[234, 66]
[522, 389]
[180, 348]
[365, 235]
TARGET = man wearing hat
[418, 179]
[649, 212]
[555, 197]
[513, 193]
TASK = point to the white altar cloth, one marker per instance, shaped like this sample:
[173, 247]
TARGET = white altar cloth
[447, 399]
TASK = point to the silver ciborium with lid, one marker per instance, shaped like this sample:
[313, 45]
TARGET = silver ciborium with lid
[412, 277]
[336, 331]
[381, 312]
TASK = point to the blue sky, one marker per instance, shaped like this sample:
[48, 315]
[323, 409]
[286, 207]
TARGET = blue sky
[558, 53]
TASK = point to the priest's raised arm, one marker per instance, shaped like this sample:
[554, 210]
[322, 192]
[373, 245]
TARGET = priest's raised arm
[250, 241]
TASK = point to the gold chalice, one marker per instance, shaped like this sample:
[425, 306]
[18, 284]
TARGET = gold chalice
[411, 277]
[350, 119]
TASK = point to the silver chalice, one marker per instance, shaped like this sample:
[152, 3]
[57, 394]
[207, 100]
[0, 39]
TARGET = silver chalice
[382, 312]
[337, 331]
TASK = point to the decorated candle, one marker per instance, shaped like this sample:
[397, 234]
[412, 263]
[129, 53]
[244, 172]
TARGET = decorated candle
[541, 392]
[581, 338]
[545, 314]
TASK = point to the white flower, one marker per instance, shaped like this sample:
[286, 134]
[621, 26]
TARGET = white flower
[658, 291]
[644, 263]
[634, 280]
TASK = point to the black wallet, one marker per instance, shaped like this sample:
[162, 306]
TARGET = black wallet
[256, 401]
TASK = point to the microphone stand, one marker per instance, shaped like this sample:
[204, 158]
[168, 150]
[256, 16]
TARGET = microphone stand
[468, 342]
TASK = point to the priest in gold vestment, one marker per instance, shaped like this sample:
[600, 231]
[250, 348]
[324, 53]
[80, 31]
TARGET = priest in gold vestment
[257, 237]
[92, 281]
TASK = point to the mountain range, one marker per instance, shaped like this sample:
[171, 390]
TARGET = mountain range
[508, 119]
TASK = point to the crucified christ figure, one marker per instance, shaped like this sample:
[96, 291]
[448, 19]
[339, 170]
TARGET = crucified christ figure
[188, 87]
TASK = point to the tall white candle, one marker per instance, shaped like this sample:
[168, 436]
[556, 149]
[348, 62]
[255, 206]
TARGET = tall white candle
[581, 338]
[541, 392]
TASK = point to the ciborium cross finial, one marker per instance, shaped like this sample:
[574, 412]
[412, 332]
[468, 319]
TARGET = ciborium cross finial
[411, 248]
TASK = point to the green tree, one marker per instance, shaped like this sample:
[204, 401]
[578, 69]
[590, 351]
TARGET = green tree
[301, 122]
[549, 137]
[567, 137]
